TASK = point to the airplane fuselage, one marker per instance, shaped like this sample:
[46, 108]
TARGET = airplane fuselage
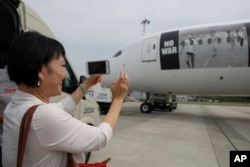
[204, 60]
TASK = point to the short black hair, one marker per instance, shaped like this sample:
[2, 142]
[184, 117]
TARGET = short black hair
[27, 53]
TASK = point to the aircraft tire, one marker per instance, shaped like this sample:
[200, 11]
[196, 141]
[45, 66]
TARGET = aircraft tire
[146, 107]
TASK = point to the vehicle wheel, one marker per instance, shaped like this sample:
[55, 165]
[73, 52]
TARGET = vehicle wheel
[104, 111]
[104, 108]
[146, 107]
[170, 109]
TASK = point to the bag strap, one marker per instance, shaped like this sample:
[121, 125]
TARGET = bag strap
[72, 162]
[23, 134]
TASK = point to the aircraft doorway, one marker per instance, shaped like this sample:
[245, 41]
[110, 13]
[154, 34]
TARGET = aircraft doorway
[149, 50]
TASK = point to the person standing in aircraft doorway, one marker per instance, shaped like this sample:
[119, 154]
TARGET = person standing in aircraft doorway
[191, 44]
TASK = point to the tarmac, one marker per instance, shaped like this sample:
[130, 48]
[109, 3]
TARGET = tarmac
[190, 136]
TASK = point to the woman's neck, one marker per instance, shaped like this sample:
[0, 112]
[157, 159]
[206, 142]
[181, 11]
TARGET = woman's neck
[36, 91]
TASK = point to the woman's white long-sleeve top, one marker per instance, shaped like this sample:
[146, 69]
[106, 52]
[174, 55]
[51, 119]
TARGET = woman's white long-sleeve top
[53, 133]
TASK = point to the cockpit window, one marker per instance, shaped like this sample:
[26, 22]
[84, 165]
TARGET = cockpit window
[118, 53]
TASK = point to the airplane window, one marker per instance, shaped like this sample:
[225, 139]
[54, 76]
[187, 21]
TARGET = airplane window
[154, 46]
[118, 53]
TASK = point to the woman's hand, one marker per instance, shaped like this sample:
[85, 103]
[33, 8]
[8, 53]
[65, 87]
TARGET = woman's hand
[119, 87]
[119, 90]
[92, 80]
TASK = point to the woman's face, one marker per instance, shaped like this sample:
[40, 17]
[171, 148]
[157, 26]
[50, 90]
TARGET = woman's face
[53, 75]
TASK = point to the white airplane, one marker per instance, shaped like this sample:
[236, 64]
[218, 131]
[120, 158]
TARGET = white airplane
[200, 60]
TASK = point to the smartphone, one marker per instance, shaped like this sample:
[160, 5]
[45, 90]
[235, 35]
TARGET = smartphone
[97, 67]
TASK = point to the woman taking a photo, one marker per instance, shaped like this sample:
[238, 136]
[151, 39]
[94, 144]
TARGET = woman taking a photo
[37, 64]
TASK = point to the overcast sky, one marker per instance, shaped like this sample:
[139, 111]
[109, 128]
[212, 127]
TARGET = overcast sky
[96, 29]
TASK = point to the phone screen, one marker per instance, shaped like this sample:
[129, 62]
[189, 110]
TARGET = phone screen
[98, 67]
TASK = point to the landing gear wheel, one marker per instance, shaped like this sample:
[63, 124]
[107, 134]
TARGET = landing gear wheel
[146, 107]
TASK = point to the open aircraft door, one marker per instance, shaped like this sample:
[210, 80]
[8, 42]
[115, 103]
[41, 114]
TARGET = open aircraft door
[150, 49]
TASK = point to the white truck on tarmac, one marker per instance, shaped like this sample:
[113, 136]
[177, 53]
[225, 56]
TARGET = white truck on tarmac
[102, 96]
[17, 17]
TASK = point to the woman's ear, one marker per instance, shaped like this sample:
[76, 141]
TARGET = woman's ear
[40, 76]
[42, 73]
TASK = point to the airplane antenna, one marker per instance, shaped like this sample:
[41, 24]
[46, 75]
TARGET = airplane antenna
[144, 22]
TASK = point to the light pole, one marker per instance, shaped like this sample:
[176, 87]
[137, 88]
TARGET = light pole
[144, 22]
